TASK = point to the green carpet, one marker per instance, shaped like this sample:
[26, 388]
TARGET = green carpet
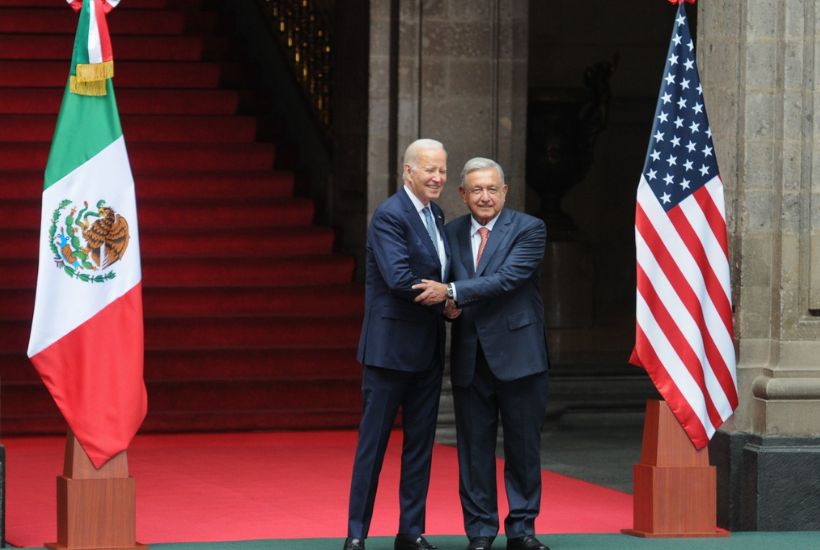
[804, 540]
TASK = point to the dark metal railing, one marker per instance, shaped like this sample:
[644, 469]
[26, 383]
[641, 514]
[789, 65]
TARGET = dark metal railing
[303, 33]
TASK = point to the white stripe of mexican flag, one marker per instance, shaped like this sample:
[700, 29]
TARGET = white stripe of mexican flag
[65, 301]
[87, 331]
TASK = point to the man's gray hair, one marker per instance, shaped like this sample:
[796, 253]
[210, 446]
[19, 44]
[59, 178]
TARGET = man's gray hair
[411, 153]
[480, 163]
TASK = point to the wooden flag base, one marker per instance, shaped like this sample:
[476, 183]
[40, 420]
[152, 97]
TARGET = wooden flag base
[96, 508]
[674, 487]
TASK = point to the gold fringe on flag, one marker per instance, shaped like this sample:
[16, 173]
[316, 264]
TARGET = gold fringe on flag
[87, 72]
[90, 78]
[96, 87]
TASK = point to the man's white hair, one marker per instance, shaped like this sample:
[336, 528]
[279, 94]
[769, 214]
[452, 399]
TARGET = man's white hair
[412, 151]
[480, 163]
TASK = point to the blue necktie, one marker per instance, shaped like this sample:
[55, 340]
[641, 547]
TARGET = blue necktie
[431, 228]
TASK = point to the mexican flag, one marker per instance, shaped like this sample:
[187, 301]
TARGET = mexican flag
[87, 332]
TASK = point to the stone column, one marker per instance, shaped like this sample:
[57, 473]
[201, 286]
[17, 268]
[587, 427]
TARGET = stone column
[455, 71]
[759, 62]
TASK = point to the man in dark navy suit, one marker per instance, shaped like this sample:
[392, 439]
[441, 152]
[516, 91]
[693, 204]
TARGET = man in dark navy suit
[401, 345]
[498, 356]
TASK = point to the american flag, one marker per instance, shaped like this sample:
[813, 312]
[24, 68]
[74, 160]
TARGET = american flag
[684, 335]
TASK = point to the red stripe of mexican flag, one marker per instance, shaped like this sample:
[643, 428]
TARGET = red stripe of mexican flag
[87, 332]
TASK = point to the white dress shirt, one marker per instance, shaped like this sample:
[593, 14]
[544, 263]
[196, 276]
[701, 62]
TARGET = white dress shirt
[442, 254]
[475, 237]
[475, 242]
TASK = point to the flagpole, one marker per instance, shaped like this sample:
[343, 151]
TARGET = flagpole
[684, 329]
[99, 389]
[96, 507]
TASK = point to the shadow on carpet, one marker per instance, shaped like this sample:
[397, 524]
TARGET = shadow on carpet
[737, 541]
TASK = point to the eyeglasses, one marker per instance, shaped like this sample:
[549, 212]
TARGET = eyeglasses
[478, 191]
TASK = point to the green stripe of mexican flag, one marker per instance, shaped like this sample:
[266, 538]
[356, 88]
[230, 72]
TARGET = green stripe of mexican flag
[87, 332]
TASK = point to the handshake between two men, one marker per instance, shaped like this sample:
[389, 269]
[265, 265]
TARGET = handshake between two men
[434, 292]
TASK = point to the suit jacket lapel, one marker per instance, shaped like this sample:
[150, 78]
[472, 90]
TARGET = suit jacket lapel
[465, 245]
[497, 235]
[437, 215]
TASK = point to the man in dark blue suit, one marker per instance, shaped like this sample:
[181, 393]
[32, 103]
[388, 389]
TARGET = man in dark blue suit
[401, 345]
[499, 355]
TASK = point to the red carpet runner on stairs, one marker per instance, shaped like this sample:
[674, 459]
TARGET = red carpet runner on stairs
[251, 319]
[216, 487]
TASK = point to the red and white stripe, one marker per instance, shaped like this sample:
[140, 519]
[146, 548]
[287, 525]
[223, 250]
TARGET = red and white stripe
[99, 39]
[684, 336]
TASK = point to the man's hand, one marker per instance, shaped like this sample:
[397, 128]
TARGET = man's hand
[450, 310]
[432, 292]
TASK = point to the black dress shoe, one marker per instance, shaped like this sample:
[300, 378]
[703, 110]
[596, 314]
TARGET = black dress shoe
[353, 544]
[527, 542]
[419, 543]
[480, 543]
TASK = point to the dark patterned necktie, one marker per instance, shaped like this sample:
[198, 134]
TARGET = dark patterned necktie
[431, 228]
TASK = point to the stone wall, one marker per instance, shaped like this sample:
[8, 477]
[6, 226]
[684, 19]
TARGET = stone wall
[759, 62]
[453, 71]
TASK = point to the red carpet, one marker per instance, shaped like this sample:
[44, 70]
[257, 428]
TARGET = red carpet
[212, 487]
